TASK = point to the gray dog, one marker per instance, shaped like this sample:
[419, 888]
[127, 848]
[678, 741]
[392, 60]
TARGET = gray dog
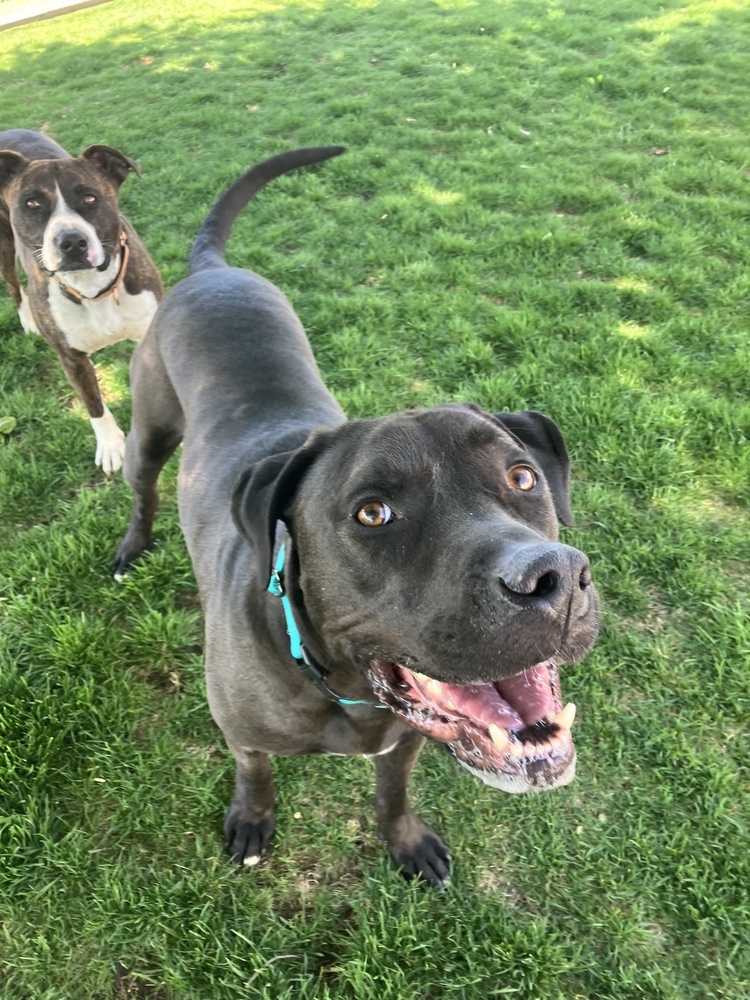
[365, 583]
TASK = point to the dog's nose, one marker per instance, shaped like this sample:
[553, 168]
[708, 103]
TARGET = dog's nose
[72, 242]
[539, 573]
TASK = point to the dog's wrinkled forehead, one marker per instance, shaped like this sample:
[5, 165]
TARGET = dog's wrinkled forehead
[404, 447]
[73, 186]
[51, 195]
[49, 181]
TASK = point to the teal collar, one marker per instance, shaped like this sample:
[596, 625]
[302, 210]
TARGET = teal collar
[305, 663]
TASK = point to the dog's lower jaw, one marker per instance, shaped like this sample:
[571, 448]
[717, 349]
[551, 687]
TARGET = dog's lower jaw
[110, 442]
[514, 734]
[517, 785]
[90, 280]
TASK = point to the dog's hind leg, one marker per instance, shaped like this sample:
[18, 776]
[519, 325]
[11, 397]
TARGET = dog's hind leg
[156, 431]
[249, 823]
[414, 846]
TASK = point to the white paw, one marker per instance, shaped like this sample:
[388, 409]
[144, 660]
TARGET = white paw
[25, 314]
[110, 443]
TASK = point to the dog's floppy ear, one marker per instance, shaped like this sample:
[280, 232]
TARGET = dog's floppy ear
[11, 163]
[264, 492]
[540, 435]
[111, 161]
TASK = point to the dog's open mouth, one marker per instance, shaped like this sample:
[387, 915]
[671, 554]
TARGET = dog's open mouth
[514, 733]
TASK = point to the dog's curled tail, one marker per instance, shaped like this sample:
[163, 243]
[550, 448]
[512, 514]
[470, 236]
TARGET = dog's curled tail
[208, 249]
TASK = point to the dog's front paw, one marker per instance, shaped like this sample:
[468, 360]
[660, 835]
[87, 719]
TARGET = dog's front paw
[247, 841]
[110, 443]
[25, 314]
[111, 459]
[419, 852]
[132, 547]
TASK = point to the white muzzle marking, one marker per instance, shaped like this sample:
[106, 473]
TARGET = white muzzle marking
[63, 217]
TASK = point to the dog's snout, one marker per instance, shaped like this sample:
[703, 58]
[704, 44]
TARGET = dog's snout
[546, 585]
[72, 242]
[544, 573]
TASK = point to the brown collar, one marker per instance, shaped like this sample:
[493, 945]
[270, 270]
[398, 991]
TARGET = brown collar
[113, 289]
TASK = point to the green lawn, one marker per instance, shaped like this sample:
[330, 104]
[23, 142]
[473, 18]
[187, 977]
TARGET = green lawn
[544, 205]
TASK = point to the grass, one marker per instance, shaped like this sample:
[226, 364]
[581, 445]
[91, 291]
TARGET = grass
[544, 205]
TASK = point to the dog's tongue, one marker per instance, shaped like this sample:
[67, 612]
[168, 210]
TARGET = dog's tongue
[531, 693]
[512, 703]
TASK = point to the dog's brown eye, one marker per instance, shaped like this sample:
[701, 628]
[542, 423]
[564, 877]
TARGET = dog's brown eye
[521, 477]
[33, 203]
[374, 514]
[89, 199]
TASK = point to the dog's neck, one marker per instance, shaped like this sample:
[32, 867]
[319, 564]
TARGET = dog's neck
[306, 664]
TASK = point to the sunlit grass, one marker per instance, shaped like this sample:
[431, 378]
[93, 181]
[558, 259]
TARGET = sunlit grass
[543, 205]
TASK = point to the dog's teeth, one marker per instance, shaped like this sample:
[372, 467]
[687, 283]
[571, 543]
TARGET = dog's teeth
[536, 749]
[566, 718]
[428, 685]
[499, 737]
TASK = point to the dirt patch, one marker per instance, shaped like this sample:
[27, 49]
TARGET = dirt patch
[129, 986]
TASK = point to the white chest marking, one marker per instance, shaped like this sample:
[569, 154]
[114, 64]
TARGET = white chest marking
[89, 326]
[379, 753]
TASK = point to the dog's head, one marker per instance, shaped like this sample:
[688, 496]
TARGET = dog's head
[426, 556]
[64, 211]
